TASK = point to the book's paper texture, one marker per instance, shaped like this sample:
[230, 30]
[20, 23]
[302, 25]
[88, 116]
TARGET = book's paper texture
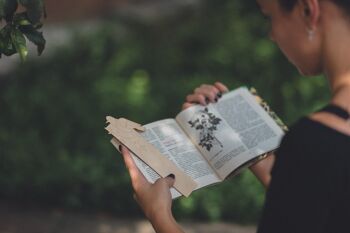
[124, 131]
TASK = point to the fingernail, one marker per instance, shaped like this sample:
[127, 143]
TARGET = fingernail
[219, 95]
[207, 100]
[120, 148]
[171, 176]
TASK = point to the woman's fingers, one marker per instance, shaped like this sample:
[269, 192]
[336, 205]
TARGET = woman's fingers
[137, 178]
[209, 91]
[221, 87]
[206, 94]
[197, 98]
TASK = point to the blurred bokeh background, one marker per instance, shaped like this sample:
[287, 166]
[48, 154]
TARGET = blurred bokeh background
[136, 59]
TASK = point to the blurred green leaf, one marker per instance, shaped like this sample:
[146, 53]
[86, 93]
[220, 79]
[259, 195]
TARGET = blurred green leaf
[19, 42]
[21, 19]
[34, 36]
[6, 45]
[27, 23]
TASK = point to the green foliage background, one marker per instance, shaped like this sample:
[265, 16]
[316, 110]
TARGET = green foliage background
[21, 26]
[53, 146]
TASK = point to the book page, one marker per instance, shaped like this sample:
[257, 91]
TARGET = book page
[256, 128]
[172, 142]
[214, 138]
[231, 132]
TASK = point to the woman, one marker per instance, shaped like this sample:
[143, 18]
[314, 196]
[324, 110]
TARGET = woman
[309, 183]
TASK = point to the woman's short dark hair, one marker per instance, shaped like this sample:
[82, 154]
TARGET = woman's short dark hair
[288, 5]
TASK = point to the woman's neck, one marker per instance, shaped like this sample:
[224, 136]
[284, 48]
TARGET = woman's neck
[339, 81]
[337, 63]
[336, 55]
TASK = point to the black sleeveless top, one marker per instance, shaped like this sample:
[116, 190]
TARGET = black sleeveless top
[336, 111]
[310, 187]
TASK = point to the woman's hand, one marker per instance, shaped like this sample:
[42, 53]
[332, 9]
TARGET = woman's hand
[154, 199]
[205, 94]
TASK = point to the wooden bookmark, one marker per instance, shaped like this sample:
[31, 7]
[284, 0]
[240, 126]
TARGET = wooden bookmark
[125, 132]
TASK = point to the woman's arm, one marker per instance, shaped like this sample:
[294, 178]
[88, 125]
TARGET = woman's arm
[166, 224]
[154, 199]
[262, 169]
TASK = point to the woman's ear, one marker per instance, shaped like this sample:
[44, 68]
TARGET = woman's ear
[310, 12]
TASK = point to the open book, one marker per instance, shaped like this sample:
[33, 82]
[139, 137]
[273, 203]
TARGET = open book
[210, 143]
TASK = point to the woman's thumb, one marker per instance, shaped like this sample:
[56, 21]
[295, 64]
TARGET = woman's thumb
[170, 180]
